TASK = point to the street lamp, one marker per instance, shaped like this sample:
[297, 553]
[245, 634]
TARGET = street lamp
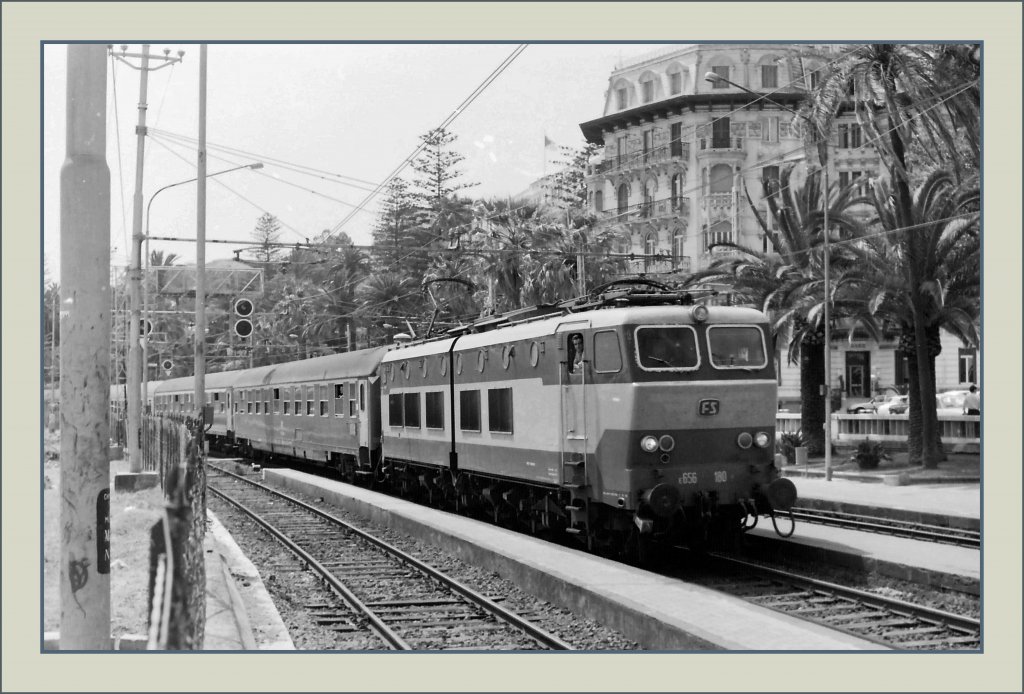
[823, 160]
[138, 377]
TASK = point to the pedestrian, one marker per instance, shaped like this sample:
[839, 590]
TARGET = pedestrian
[972, 401]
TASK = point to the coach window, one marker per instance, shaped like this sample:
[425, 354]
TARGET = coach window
[277, 400]
[736, 347]
[362, 397]
[287, 400]
[323, 399]
[352, 399]
[412, 410]
[395, 412]
[339, 399]
[667, 348]
[607, 356]
[435, 410]
[469, 410]
[499, 410]
[310, 398]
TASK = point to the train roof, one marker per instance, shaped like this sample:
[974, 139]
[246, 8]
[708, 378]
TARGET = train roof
[217, 380]
[357, 364]
[533, 328]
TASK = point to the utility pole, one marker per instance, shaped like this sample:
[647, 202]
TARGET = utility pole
[200, 337]
[134, 377]
[85, 358]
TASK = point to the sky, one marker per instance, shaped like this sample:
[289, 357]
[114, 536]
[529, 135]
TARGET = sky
[349, 113]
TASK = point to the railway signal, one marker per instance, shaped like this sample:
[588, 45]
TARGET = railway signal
[243, 309]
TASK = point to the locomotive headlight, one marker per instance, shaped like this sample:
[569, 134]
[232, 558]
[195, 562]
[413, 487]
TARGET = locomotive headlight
[666, 443]
[649, 444]
[762, 439]
[744, 440]
[699, 313]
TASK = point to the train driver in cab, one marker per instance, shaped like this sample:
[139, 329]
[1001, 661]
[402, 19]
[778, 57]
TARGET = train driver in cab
[576, 353]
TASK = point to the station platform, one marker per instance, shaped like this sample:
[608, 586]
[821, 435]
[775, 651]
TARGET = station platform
[659, 612]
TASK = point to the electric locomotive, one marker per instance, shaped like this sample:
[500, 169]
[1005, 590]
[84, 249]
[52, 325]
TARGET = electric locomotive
[631, 415]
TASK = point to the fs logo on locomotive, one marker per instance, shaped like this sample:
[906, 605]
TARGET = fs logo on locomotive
[708, 407]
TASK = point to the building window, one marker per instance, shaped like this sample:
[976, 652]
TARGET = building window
[676, 139]
[647, 88]
[901, 371]
[648, 144]
[720, 133]
[599, 201]
[770, 179]
[435, 410]
[621, 98]
[720, 232]
[620, 151]
[675, 82]
[623, 198]
[677, 192]
[968, 360]
[814, 78]
[723, 72]
[650, 250]
[770, 133]
[721, 178]
[469, 410]
[677, 249]
[769, 76]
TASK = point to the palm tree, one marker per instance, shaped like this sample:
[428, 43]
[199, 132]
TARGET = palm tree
[387, 297]
[906, 96]
[787, 283]
[946, 217]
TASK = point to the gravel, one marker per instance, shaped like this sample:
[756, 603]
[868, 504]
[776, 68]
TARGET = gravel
[294, 589]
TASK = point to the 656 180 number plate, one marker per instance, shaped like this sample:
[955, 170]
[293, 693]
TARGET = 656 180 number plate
[720, 476]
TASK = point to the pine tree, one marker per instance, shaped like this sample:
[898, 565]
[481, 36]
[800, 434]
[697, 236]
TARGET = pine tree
[266, 234]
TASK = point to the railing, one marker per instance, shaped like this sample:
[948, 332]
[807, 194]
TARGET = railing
[634, 159]
[680, 207]
[711, 143]
[852, 428]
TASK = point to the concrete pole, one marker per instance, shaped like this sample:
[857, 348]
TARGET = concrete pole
[828, 327]
[85, 357]
[200, 339]
[134, 428]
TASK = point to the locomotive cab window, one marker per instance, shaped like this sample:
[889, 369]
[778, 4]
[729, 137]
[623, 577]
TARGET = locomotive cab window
[737, 347]
[576, 352]
[667, 348]
[607, 357]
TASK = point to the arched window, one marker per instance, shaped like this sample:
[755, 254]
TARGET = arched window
[676, 79]
[721, 178]
[623, 198]
[648, 207]
[599, 201]
[650, 250]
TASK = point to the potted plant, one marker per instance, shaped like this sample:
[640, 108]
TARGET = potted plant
[787, 444]
[869, 454]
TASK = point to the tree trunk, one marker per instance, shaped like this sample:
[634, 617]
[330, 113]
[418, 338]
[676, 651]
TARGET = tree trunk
[812, 402]
[915, 453]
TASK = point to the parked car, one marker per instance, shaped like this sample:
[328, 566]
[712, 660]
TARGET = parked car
[872, 405]
[897, 405]
[950, 402]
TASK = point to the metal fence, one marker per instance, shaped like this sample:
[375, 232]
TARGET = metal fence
[177, 583]
[852, 428]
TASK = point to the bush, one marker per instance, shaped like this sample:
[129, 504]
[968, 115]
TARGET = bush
[869, 454]
[787, 443]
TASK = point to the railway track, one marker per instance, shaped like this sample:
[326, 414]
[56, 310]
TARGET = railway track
[886, 526]
[893, 623]
[407, 604]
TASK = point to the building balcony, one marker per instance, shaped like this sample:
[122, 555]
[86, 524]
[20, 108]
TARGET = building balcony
[678, 154]
[654, 210]
[708, 146]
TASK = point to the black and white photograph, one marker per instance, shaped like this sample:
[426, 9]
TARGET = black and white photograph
[486, 346]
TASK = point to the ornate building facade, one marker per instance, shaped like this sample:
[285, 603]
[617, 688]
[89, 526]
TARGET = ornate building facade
[688, 136]
[681, 153]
